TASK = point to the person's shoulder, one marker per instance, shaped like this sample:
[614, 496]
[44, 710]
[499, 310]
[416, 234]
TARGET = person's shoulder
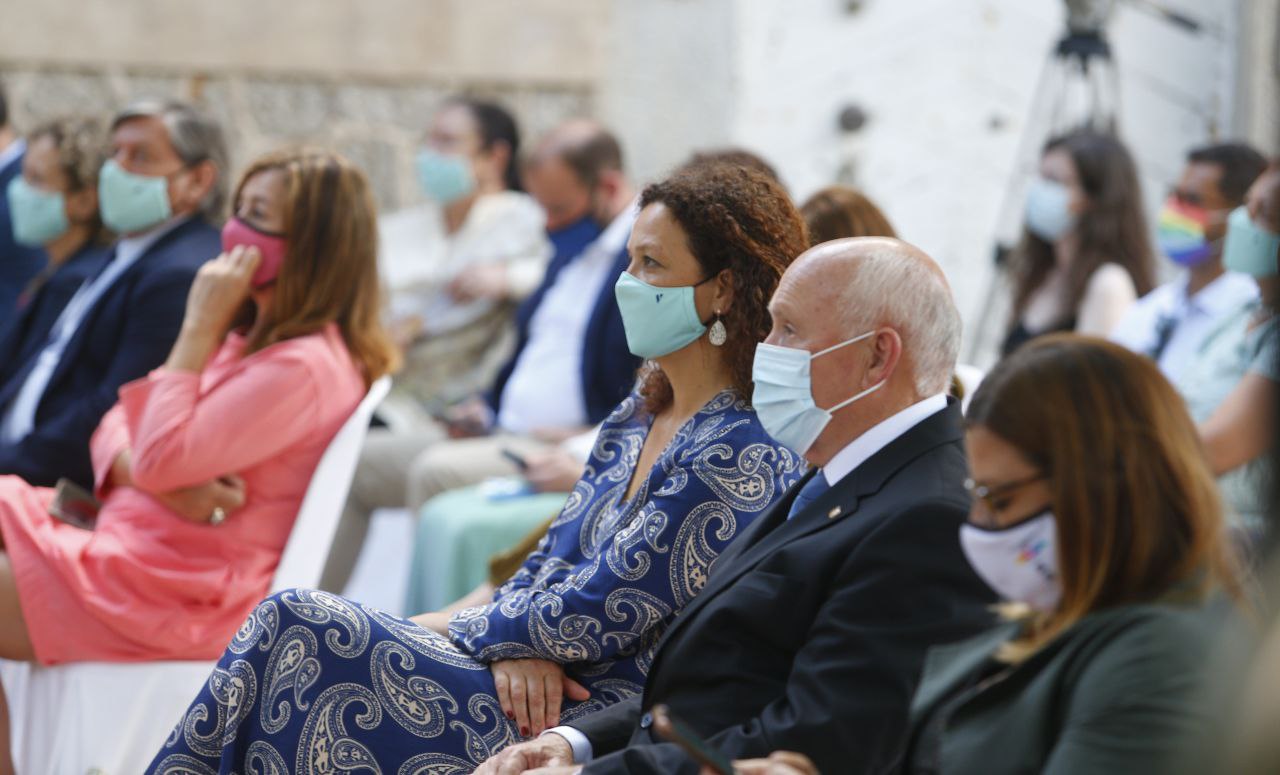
[1158, 297]
[1150, 637]
[507, 204]
[1110, 278]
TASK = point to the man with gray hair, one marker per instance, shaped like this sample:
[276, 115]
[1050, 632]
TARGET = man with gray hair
[811, 631]
[160, 191]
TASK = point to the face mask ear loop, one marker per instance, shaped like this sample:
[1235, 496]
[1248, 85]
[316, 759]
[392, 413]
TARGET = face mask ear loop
[845, 343]
[848, 401]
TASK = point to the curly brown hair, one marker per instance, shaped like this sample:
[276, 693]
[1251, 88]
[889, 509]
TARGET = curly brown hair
[739, 219]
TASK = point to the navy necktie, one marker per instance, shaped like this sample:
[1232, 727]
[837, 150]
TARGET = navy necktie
[811, 491]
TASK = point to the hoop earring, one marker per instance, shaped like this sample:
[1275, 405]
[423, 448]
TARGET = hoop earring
[718, 335]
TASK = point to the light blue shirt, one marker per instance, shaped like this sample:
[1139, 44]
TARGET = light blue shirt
[1228, 354]
[1193, 318]
[20, 416]
[11, 152]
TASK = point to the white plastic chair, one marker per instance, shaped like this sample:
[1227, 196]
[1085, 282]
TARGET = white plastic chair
[970, 378]
[108, 718]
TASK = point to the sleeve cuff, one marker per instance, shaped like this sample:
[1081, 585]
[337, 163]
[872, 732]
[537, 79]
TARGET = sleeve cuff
[577, 741]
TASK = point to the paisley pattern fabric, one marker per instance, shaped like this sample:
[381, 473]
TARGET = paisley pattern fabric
[314, 683]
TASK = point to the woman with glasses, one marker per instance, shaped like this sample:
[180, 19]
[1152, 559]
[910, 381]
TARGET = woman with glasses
[1096, 517]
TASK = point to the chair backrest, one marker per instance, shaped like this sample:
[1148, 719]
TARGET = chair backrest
[308, 547]
[970, 377]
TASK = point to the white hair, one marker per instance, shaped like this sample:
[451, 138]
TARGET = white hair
[887, 287]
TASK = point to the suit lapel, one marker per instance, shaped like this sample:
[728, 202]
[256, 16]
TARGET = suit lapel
[774, 530]
[69, 355]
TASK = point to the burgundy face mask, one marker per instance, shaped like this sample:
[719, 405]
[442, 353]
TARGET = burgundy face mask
[272, 247]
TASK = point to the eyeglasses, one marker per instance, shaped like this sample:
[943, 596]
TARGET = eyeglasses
[993, 497]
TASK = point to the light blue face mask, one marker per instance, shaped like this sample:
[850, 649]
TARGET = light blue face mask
[132, 203]
[783, 395]
[1048, 213]
[1249, 247]
[446, 178]
[39, 216]
[658, 321]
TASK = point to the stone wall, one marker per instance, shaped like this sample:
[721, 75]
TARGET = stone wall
[361, 77]
[375, 123]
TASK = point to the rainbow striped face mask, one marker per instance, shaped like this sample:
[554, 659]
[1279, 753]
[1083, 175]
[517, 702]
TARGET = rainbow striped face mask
[1180, 233]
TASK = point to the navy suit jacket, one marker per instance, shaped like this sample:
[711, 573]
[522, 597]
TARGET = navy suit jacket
[608, 367]
[126, 334]
[24, 333]
[810, 634]
[18, 264]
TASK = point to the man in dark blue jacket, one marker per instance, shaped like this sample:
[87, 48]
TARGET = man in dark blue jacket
[159, 190]
[571, 365]
[18, 263]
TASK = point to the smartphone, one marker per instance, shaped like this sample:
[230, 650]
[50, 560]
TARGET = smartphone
[673, 730]
[515, 457]
[74, 505]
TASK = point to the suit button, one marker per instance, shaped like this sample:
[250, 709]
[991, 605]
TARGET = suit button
[646, 721]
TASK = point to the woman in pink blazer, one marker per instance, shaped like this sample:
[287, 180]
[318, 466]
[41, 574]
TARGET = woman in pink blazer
[202, 465]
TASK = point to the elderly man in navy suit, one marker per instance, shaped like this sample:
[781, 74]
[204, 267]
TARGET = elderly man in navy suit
[160, 190]
[811, 632]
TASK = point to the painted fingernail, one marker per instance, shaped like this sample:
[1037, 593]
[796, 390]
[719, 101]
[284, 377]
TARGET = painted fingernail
[511, 715]
[524, 731]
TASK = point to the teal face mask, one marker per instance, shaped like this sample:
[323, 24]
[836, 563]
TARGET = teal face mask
[132, 203]
[658, 321]
[39, 217]
[444, 177]
[783, 394]
[1250, 248]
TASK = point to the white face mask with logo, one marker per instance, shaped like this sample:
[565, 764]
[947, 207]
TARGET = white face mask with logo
[1019, 562]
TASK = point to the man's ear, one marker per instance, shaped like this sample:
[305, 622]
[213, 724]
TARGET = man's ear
[200, 181]
[886, 354]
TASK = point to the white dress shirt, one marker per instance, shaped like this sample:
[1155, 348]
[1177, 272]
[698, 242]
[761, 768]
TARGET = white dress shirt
[841, 465]
[1192, 318]
[545, 387]
[20, 416]
[11, 152]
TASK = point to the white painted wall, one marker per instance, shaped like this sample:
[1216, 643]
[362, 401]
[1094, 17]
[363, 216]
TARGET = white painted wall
[949, 87]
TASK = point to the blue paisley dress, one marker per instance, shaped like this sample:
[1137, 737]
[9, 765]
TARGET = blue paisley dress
[315, 683]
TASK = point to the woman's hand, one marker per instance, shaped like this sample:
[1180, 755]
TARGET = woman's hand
[197, 504]
[531, 690]
[468, 418]
[552, 470]
[778, 763]
[486, 281]
[220, 289]
[436, 621]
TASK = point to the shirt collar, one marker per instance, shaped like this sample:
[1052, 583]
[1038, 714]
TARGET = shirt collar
[12, 152]
[879, 436]
[1225, 293]
[130, 248]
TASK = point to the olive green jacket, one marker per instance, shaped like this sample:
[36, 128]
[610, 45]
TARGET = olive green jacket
[1113, 694]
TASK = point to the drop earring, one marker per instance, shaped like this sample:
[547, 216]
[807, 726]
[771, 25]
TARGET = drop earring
[718, 334]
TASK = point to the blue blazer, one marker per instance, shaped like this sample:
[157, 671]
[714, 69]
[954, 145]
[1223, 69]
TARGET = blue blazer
[608, 367]
[128, 333]
[24, 332]
[18, 264]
